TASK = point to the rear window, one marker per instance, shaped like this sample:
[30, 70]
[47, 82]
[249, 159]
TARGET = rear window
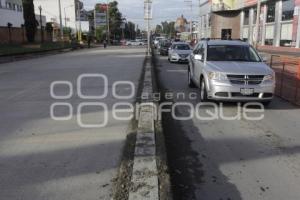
[182, 47]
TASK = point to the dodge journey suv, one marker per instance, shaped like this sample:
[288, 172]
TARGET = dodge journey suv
[230, 70]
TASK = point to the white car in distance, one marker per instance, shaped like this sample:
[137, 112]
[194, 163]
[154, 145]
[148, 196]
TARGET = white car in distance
[135, 43]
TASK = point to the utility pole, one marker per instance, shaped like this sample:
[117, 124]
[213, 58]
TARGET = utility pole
[257, 24]
[60, 21]
[79, 18]
[107, 22]
[41, 25]
[191, 23]
[148, 17]
[123, 27]
[65, 17]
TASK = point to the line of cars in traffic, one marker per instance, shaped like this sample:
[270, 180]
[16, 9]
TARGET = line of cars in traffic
[176, 51]
[223, 70]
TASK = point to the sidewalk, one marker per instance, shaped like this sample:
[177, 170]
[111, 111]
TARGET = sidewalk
[35, 54]
[283, 51]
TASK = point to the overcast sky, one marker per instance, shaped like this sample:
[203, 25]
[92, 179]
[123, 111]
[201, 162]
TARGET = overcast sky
[163, 10]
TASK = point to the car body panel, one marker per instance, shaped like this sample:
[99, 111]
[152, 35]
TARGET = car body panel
[238, 76]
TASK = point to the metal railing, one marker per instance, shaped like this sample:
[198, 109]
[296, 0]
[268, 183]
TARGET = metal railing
[287, 71]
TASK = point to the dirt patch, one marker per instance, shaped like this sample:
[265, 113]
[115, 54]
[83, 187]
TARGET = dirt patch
[122, 181]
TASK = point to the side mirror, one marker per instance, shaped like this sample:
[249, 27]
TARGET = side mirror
[264, 59]
[199, 57]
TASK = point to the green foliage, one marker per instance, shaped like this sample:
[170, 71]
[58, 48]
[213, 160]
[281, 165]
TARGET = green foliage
[115, 20]
[101, 33]
[167, 28]
[158, 29]
[29, 18]
[130, 31]
[67, 31]
[49, 28]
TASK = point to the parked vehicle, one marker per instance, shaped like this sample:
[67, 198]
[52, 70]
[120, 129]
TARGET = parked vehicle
[156, 41]
[164, 49]
[231, 71]
[135, 43]
[179, 52]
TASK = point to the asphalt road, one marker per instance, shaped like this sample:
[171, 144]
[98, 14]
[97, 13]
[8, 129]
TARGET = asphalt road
[41, 158]
[230, 159]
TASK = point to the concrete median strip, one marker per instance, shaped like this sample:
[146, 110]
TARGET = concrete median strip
[145, 174]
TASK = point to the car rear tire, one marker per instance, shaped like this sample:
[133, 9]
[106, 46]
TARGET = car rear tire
[203, 91]
[190, 81]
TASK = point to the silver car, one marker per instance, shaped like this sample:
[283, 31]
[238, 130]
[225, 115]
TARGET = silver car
[179, 52]
[230, 70]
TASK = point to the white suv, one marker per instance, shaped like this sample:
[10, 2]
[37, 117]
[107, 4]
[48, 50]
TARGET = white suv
[230, 70]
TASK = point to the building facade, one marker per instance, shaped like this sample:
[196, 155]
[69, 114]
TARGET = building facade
[11, 11]
[278, 21]
[50, 9]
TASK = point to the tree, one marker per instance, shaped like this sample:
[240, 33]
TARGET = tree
[115, 20]
[172, 31]
[130, 31]
[101, 33]
[49, 30]
[166, 28]
[30, 21]
[158, 29]
[67, 31]
[138, 32]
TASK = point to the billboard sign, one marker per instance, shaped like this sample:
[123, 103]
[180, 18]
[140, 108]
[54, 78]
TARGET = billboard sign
[100, 19]
[100, 15]
[102, 7]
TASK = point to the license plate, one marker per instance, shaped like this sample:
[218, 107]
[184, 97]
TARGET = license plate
[247, 91]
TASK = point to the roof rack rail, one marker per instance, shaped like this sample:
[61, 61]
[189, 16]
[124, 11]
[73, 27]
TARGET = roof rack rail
[238, 39]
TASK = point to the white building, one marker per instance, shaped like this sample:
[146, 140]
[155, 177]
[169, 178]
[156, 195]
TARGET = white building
[11, 11]
[50, 9]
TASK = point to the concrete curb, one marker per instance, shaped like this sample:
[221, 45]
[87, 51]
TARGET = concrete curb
[144, 178]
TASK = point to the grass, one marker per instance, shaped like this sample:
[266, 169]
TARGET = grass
[12, 49]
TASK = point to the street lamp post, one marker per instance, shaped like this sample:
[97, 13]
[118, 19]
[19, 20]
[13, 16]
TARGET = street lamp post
[123, 26]
[41, 24]
[191, 23]
[148, 17]
[107, 22]
[79, 18]
[65, 17]
[60, 21]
